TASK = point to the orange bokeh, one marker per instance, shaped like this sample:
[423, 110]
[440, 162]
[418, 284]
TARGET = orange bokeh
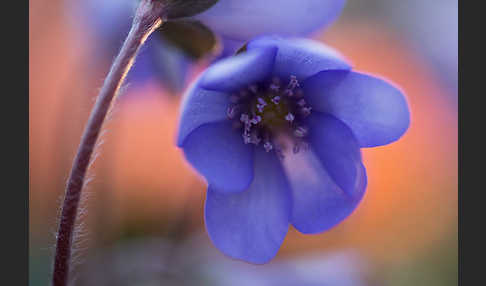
[411, 200]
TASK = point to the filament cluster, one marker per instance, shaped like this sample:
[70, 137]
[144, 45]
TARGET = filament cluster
[266, 110]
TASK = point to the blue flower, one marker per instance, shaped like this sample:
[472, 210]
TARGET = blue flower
[234, 22]
[244, 20]
[109, 22]
[276, 131]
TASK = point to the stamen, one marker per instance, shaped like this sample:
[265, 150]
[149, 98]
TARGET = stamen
[293, 82]
[244, 118]
[276, 100]
[255, 120]
[300, 131]
[248, 126]
[231, 111]
[264, 111]
[306, 111]
[290, 117]
[261, 101]
[268, 146]
[274, 87]
[246, 138]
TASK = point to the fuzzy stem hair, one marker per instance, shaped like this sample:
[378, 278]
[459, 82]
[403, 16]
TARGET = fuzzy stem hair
[147, 19]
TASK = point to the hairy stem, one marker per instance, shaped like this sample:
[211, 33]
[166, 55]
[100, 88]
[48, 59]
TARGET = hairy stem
[147, 18]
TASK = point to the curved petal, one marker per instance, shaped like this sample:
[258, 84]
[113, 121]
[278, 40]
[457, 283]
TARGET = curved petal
[328, 180]
[234, 73]
[200, 106]
[376, 111]
[336, 148]
[301, 57]
[251, 225]
[243, 20]
[217, 151]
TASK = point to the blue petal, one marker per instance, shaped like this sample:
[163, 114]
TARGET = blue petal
[251, 225]
[328, 180]
[234, 73]
[337, 149]
[243, 20]
[376, 111]
[109, 21]
[217, 151]
[301, 57]
[199, 107]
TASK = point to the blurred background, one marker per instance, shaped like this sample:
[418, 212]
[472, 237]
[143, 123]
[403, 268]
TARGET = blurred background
[142, 219]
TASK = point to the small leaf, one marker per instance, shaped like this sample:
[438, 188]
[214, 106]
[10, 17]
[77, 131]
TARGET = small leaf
[192, 37]
[186, 8]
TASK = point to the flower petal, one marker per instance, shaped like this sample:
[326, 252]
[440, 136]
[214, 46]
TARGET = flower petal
[243, 20]
[234, 73]
[251, 225]
[200, 106]
[376, 111]
[217, 151]
[336, 148]
[301, 57]
[328, 180]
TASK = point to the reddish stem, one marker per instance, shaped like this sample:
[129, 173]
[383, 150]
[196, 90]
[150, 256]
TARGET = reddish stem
[147, 19]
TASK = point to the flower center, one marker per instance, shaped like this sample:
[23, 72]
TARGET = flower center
[264, 111]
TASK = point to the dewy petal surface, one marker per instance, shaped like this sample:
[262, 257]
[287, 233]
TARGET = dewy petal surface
[243, 20]
[301, 57]
[234, 73]
[376, 111]
[251, 225]
[219, 154]
[328, 181]
[200, 106]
